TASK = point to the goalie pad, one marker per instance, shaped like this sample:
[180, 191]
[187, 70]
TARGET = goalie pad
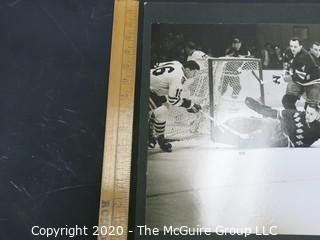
[260, 108]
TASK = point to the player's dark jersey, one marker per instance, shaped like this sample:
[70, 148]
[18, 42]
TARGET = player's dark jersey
[317, 60]
[302, 67]
[300, 133]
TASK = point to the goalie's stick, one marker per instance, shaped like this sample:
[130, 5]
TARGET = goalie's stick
[224, 126]
[240, 69]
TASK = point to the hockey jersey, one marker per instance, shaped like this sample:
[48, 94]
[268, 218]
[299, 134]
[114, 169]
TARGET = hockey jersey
[200, 58]
[317, 60]
[302, 67]
[166, 79]
[300, 133]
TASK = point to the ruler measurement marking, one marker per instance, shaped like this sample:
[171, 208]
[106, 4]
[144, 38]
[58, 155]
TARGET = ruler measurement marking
[111, 134]
[117, 160]
[119, 114]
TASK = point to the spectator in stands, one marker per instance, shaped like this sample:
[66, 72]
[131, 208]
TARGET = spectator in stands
[209, 52]
[237, 49]
[266, 56]
[253, 51]
[278, 58]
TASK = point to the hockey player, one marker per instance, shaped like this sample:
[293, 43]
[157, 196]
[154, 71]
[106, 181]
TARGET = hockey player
[166, 82]
[196, 55]
[297, 128]
[302, 75]
[315, 52]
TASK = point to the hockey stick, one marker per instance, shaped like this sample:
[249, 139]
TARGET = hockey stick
[225, 127]
[241, 67]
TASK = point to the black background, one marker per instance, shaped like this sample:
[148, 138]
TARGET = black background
[54, 58]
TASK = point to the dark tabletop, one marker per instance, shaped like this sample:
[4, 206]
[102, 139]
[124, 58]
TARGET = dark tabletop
[54, 57]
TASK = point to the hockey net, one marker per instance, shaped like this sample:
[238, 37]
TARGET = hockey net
[220, 88]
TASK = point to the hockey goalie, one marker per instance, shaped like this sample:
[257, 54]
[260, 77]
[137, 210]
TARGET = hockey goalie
[276, 128]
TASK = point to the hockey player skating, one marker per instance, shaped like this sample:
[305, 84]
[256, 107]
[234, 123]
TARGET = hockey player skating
[302, 75]
[166, 84]
[281, 128]
[198, 82]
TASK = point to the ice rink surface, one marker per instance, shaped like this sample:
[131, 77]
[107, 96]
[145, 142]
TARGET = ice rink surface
[200, 183]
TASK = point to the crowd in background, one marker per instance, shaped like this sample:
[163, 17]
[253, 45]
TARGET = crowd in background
[172, 46]
[271, 56]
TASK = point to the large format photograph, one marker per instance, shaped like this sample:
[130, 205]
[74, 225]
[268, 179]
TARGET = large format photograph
[234, 127]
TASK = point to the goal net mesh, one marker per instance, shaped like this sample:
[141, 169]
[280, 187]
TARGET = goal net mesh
[220, 88]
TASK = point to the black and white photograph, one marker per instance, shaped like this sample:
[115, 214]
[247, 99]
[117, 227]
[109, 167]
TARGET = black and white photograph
[234, 127]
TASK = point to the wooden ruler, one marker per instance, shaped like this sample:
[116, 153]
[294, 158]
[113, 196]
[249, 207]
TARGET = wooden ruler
[115, 186]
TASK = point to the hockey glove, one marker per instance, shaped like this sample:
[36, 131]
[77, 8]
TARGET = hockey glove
[260, 108]
[194, 108]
